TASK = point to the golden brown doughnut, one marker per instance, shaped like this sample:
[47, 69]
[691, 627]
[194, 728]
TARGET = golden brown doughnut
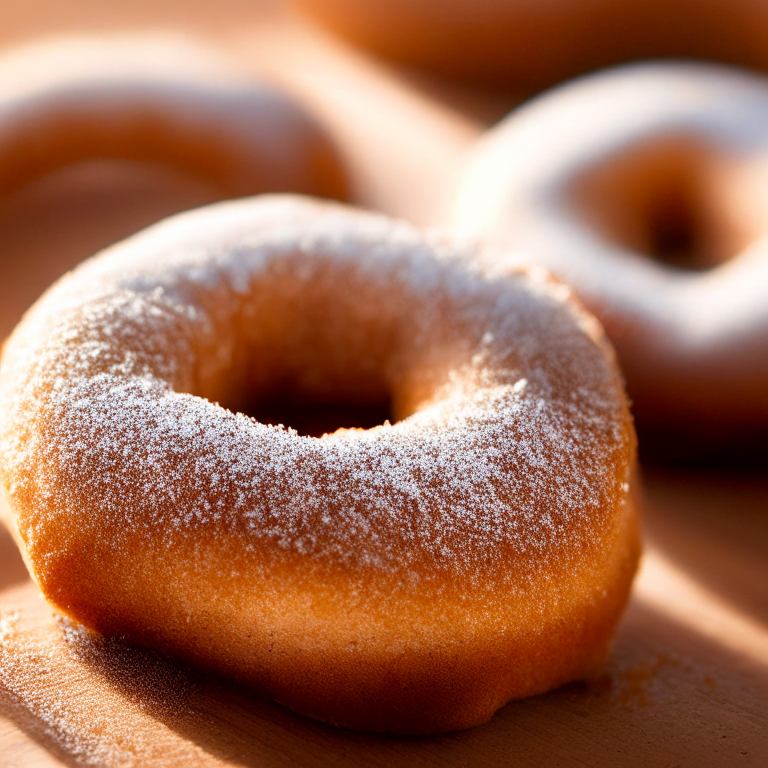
[531, 44]
[157, 99]
[412, 577]
[644, 188]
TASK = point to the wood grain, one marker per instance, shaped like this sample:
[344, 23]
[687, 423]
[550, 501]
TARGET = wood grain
[687, 681]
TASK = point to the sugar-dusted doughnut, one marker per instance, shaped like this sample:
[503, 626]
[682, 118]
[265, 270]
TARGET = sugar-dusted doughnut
[411, 577]
[644, 188]
[156, 99]
[531, 44]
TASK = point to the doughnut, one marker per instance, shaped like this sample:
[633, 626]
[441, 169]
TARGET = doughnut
[412, 577]
[652, 205]
[530, 45]
[158, 99]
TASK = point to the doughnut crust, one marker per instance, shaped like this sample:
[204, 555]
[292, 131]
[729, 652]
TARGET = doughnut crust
[160, 99]
[652, 206]
[412, 577]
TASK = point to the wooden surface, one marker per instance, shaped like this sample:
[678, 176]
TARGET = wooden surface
[687, 680]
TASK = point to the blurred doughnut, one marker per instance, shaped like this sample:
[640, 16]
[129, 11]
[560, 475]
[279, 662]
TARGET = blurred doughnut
[411, 577]
[100, 136]
[645, 189]
[159, 99]
[531, 45]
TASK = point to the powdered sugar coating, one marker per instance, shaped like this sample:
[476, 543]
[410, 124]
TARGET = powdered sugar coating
[109, 393]
[507, 475]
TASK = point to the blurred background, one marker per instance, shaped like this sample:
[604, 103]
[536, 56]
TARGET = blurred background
[399, 140]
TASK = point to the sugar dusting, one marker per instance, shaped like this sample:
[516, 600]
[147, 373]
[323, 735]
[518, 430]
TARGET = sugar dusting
[505, 463]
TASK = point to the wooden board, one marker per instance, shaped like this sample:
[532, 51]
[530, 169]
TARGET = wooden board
[687, 681]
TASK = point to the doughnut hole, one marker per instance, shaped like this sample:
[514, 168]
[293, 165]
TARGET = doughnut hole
[675, 200]
[315, 418]
[299, 395]
[329, 348]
